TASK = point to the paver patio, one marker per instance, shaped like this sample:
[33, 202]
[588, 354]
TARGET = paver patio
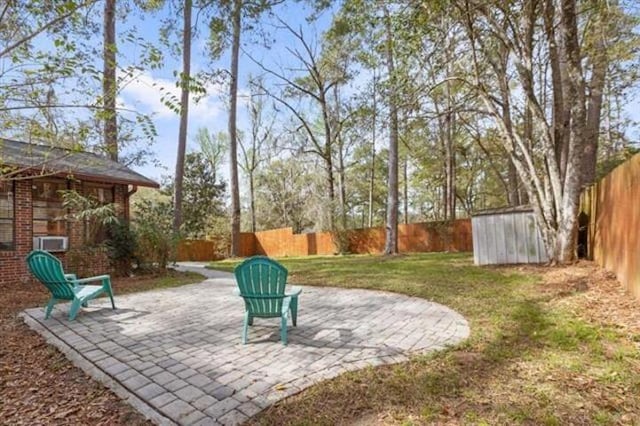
[176, 354]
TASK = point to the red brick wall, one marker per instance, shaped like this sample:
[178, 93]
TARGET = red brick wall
[82, 261]
[12, 265]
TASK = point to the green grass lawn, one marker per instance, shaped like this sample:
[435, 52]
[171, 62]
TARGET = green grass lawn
[156, 282]
[529, 360]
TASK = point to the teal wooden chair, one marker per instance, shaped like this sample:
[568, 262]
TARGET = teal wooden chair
[47, 269]
[262, 285]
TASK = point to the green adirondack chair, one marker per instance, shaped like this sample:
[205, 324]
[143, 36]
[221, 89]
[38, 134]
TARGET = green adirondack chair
[48, 270]
[262, 284]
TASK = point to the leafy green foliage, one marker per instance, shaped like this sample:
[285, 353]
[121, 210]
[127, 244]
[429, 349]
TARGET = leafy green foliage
[218, 41]
[214, 148]
[88, 210]
[606, 165]
[287, 196]
[153, 226]
[203, 195]
[122, 248]
[359, 176]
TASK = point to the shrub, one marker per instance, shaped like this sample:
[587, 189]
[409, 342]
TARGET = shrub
[219, 231]
[122, 248]
[88, 210]
[156, 242]
[341, 240]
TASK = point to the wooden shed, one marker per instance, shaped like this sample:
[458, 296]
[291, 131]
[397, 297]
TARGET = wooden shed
[507, 236]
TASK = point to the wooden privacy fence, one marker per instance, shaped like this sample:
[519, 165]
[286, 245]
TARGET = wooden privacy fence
[196, 250]
[613, 209]
[413, 237]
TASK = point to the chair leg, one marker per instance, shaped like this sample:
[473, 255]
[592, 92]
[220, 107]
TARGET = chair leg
[47, 311]
[113, 305]
[75, 307]
[107, 287]
[283, 329]
[294, 311]
[245, 328]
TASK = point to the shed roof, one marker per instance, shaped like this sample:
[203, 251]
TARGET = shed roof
[60, 161]
[504, 210]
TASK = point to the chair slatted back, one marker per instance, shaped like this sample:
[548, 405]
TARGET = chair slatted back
[262, 283]
[48, 270]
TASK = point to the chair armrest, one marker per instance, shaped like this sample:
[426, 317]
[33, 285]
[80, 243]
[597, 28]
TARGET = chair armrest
[292, 291]
[71, 277]
[236, 292]
[91, 279]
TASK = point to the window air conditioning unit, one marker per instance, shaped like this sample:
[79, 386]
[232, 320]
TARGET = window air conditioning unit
[51, 243]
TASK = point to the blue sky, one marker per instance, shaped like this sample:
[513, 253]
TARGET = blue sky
[143, 94]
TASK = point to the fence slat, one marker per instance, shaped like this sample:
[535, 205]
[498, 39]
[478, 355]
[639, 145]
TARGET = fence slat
[613, 206]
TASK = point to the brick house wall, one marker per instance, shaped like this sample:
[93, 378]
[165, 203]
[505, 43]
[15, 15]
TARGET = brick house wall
[82, 261]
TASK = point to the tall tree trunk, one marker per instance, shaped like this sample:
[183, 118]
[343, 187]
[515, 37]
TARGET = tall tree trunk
[391, 241]
[560, 114]
[564, 93]
[594, 110]
[109, 83]
[372, 171]
[185, 78]
[448, 133]
[328, 155]
[576, 101]
[405, 189]
[450, 159]
[513, 194]
[233, 137]
[341, 167]
[252, 194]
[343, 189]
[441, 204]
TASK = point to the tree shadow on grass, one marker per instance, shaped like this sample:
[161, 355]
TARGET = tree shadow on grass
[424, 380]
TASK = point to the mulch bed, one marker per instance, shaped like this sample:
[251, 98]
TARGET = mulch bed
[591, 293]
[38, 385]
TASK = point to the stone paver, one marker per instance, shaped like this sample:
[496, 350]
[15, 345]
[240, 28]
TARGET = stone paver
[178, 351]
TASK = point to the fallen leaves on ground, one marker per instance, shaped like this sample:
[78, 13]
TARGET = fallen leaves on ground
[38, 385]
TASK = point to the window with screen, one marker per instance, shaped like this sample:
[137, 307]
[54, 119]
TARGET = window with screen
[48, 212]
[7, 216]
[95, 232]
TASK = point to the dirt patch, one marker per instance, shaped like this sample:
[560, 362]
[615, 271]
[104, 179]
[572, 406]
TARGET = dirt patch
[38, 385]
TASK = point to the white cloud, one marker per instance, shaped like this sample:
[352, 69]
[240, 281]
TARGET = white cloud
[145, 93]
